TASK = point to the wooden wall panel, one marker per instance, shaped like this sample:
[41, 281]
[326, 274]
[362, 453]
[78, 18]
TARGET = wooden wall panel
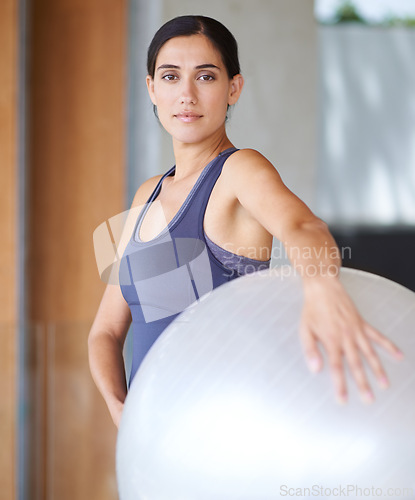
[8, 238]
[77, 136]
[77, 143]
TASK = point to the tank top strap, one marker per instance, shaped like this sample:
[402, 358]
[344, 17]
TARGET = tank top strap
[157, 189]
[188, 221]
[194, 217]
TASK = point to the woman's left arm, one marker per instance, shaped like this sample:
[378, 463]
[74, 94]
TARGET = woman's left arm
[329, 316]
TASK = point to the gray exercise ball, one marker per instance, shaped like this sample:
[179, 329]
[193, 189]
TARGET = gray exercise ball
[224, 407]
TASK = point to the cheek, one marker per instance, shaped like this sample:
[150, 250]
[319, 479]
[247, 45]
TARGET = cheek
[159, 98]
[163, 94]
[164, 117]
[217, 101]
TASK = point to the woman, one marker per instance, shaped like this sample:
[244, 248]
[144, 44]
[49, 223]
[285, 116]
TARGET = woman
[212, 217]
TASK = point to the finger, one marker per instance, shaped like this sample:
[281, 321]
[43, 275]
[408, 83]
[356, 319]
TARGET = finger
[383, 341]
[374, 362]
[357, 370]
[337, 373]
[311, 350]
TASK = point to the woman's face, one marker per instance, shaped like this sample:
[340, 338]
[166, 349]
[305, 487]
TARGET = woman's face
[191, 89]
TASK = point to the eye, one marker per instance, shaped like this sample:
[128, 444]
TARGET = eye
[169, 77]
[206, 78]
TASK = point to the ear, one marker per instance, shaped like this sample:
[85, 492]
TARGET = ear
[235, 89]
[150, 88]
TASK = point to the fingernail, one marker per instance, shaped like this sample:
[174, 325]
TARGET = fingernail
[399, 354]
[368, 397]
[314, 364]
[384, 382]
[341, 399]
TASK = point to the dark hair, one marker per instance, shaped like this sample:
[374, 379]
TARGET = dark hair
[221, 38]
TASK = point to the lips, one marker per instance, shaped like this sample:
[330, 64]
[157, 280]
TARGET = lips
[188, 116]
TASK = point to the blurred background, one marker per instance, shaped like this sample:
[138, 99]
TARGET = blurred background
[329, 98]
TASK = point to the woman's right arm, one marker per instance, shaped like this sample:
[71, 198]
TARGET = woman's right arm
[105, 348]
[109, 329]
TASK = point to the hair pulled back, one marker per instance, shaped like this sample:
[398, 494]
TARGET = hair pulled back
[221, 38]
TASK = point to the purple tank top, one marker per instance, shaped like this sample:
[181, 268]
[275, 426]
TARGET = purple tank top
[161, 277]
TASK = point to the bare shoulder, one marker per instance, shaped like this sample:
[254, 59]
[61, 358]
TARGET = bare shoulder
[246, 163]
[144, 191]
[249, 154]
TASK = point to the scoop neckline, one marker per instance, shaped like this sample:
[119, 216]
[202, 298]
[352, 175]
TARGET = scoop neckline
[135, 238]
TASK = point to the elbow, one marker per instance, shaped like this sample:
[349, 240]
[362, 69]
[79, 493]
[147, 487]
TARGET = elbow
[94, 340]
[316, 224]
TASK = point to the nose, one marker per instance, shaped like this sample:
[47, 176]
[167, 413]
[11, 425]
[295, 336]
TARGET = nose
[188, 93]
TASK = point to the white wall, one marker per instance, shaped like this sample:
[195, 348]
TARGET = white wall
[367, 143]
[277, 111]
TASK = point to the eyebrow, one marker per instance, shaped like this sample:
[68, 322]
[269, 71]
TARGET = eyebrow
[201, 66]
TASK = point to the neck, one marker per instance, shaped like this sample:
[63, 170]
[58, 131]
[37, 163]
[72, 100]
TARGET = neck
[190, 158]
